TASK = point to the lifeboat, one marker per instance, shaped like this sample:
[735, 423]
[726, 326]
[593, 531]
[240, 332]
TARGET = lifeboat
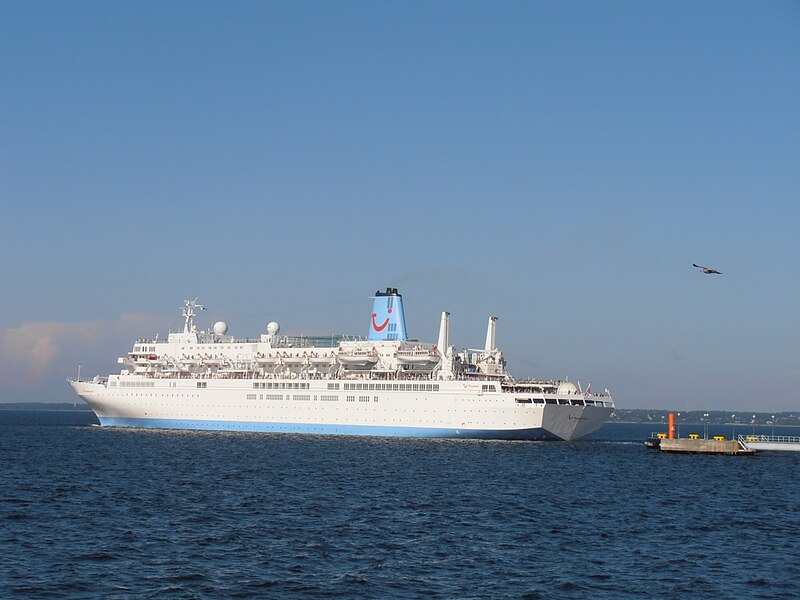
[357, 357]
[291, 359]
[316, 359]
[420, 357]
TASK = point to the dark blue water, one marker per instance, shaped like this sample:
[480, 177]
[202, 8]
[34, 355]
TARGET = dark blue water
[95, 512]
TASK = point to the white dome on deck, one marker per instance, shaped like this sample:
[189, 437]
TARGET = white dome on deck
[220, 328]
[567, 387]
[273, 328]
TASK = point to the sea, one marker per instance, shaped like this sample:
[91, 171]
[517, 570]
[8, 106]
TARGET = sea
[93, 512]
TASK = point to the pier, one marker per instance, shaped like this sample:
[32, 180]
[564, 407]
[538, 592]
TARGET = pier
[705, 446]
[670, 442]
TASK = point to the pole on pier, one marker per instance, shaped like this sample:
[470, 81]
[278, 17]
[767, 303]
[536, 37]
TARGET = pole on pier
[672, 426]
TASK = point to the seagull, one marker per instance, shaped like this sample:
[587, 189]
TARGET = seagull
[707, 270]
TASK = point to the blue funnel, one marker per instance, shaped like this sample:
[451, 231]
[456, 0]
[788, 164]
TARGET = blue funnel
[388, 321]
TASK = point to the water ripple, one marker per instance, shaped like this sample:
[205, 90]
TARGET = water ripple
[91, 511]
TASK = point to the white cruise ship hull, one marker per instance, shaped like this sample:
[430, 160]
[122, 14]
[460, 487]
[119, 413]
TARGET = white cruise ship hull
[456, 409]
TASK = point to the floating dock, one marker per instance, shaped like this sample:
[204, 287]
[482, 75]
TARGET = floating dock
[700, 446]
[669, 442]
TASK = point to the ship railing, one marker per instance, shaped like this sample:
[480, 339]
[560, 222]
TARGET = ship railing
[772, 439]
[358, 352]
[416, 351]
[309, 341]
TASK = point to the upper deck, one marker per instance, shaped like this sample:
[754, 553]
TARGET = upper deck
[387, 354]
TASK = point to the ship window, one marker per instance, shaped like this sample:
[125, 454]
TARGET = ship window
[551, 401]
[523, 400]
[576, 402]
[563, 401]
[538, 400]
[251, 396]
[351, 398]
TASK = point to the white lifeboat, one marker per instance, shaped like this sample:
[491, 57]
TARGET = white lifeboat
[357, 357]
[265, 359]
[292, 359]
[320, 359]
[421, 357]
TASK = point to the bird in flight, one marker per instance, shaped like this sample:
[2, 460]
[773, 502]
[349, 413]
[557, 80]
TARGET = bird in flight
[707, 270]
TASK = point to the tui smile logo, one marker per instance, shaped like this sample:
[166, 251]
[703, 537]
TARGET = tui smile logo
[385, 323]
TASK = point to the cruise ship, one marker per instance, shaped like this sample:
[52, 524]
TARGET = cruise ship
[386, 384]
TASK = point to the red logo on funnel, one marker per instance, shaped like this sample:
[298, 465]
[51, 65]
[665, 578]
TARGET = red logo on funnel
[385, 323]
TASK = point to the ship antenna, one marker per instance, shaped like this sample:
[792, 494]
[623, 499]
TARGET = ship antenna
[188, 313]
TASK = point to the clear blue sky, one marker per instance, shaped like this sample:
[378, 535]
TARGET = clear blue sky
[558, 164]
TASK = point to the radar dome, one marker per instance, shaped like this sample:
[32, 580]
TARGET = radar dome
[220, 328]
[567, 387]
[273, 328]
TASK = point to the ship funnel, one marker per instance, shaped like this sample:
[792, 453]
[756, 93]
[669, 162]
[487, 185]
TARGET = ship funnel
[388, 320]
[444, 333]
[491, 344]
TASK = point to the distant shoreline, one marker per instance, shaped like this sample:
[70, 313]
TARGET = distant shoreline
[47, 406]
[698, 424]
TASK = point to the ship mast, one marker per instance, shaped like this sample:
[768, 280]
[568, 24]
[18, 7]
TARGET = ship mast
[188, 313]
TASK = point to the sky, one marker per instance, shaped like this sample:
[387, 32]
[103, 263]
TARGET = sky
[558, 164]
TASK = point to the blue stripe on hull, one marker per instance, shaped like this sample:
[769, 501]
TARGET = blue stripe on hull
[324, 429]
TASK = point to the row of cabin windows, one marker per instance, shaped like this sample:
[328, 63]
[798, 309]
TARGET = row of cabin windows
[280, 386]
[133, 384]
[559, 401]
[387, 387]
[305, 397]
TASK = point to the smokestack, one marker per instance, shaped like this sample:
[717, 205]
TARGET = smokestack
[490, 335]
[388, 320]
[444, 333]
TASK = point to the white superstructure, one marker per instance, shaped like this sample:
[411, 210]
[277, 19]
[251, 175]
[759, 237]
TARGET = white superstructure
[386, 384]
